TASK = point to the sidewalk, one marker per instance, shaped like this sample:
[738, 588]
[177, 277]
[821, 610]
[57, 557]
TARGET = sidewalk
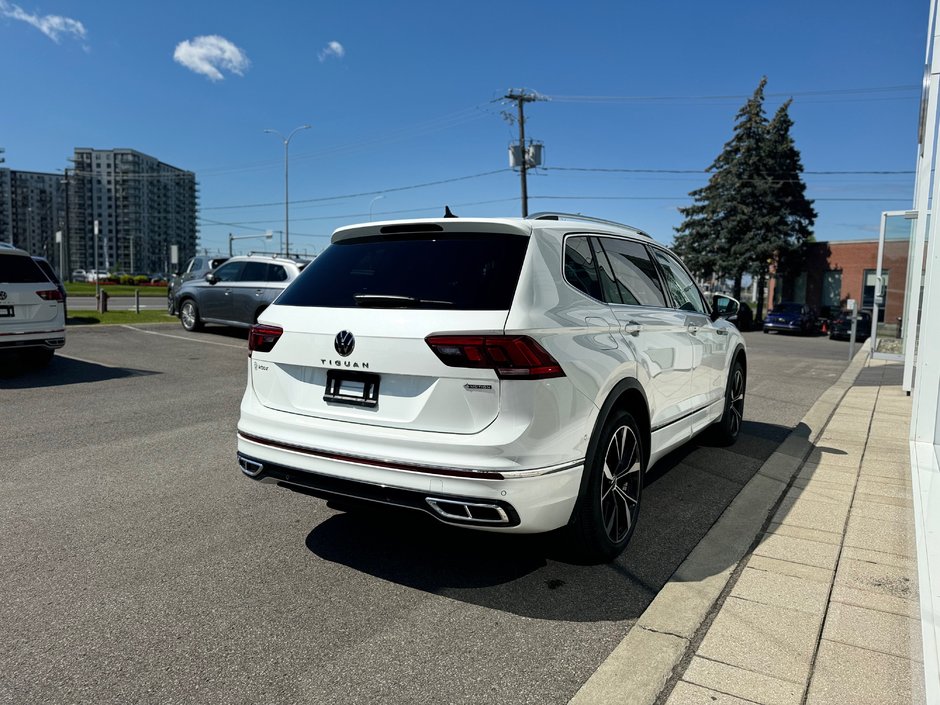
[824, 608]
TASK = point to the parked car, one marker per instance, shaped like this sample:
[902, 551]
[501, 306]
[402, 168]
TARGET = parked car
[236, 293]
[196, 268]
[32, 311]
[840, 328]
[79, 275]
[791, 317]
[54, 278]
[515, 375]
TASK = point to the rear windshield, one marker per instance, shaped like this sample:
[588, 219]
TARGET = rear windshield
[473, 272]
[20, 269]
[788, 308]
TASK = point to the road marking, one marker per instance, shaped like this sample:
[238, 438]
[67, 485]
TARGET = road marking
[183, 337]
[86, 361]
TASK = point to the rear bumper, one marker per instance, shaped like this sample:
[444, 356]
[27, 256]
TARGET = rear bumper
[489, 501]
[50, 339]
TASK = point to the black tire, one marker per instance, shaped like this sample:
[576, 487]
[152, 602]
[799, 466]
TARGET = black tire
[170, 308]
[608, 508]
[766, 331]
[726, 429]
[189, 315]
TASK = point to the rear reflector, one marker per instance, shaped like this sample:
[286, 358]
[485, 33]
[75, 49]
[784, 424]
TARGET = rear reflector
[263, 338]
[512, 356]
[49, 295]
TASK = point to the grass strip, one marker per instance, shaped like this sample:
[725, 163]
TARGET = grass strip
[87, 289]
[85, 318]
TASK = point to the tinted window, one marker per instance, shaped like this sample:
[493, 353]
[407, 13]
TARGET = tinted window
[254, 272]
[681, 287]
[276, 273]
[20, 269]
[580, 269]
[194, 265]
[463, 271]
[229, 272]
[788, 308]
[213, 263]
[630, 277]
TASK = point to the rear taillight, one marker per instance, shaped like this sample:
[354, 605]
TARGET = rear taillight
[263, 338]
[512, 356]
[49, 295]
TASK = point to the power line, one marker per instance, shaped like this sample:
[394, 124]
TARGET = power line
[700, 98]
[706, 171]
[362, 193]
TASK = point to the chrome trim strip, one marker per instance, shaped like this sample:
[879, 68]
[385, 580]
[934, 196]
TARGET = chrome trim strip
[35, 332]
[482, 473]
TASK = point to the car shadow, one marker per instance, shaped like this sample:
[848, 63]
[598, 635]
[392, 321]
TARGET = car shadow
[537, 576]
[61, 371]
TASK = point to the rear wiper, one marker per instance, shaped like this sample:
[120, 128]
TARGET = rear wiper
[396, 301]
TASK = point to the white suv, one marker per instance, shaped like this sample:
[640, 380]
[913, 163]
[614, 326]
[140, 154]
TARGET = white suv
[512, 375]
[32, 309]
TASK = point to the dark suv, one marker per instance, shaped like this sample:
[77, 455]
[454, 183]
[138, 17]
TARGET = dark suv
[196, 268]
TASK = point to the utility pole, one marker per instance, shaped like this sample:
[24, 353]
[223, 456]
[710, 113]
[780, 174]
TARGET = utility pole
[521, 97]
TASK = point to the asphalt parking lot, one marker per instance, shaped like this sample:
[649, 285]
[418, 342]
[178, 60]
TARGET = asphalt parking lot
[140, 566]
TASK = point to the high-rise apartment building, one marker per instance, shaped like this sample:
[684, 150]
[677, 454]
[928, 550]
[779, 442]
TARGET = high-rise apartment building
[142, 207]
[32, 209]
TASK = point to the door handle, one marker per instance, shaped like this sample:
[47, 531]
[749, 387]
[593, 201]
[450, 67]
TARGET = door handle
[632, 328]
[722, 331]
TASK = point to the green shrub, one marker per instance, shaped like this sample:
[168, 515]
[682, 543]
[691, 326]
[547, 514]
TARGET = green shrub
[125, 279]
[141, 279]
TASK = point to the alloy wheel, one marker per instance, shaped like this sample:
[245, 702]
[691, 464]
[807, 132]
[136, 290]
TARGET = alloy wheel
[621, 484]
[188, 315]
[737, 401]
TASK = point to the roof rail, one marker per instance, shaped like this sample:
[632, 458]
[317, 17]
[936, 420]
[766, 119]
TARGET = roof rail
[552, 215]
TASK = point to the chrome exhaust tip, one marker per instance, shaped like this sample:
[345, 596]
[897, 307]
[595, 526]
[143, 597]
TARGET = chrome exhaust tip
[463, 512]
[250, 467]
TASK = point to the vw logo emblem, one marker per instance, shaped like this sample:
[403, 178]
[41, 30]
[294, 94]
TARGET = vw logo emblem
[3, 295]
[344, 343]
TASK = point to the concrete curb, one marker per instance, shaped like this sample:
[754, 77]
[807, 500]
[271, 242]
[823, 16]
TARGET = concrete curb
[641, 665]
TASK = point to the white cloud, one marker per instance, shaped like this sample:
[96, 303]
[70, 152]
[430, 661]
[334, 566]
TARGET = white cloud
[332, 50]
[209, 55]
[53, 26]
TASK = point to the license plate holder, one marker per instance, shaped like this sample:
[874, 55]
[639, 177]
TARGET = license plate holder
[353, 388]
[6, 312]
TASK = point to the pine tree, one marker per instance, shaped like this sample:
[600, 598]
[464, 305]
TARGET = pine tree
[793, 213]
[753, 211]
[718, 231]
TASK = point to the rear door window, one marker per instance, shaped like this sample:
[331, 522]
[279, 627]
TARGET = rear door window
[254, 272]
[469, 272]
[581, 267]
[20, 269]
[631, 276]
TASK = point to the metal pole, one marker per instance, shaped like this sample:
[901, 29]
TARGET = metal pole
[525, 160]
[286, 199]
[97, 281]
[286, 141]
[230, 244]
[852, 334]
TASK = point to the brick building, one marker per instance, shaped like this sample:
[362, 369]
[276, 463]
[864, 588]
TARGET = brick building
[837, 271]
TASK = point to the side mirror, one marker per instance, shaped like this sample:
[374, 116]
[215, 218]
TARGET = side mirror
[724, 307]
[211, 278]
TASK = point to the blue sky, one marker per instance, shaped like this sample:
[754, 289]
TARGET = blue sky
[403, 94]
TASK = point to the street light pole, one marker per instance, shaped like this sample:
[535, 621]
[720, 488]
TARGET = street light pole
[286, 141]
[372, 203]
